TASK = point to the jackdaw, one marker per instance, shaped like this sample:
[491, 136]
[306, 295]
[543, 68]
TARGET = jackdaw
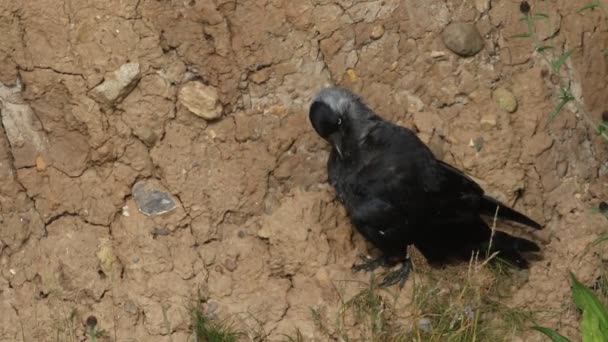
[397, 193]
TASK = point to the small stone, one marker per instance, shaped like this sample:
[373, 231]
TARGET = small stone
[462, 38]
[211, 307]
[22, 128]
[352, 75]
[261, 76]
[437, 54]
[40, 163]
[118, 85]
[130, 307]
[151, 200]
[147, 135]
[201, 100]
[478, 143]
[524, 7]
[488, 121]
[505, 100]
[482, 6]
[159, 232]
[377, 32]
[230, 264]
[424, 324]
[106, 256]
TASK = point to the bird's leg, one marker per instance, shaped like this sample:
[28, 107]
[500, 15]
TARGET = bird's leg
[369, 264]
[398, 276]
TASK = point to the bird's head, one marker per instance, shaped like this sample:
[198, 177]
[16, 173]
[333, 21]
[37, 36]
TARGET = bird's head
[338, 115]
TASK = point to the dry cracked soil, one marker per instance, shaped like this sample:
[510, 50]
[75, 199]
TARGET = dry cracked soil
[153, 152]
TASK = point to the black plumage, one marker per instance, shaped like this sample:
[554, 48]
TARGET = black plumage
[398, 194]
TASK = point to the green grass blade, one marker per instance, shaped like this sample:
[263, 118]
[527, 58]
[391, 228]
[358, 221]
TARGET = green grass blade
[557, 64]
[594, 324]
[552, 334]
[543, 48]
[558, 109]
[590, 328]
[522, 35]
[589, 6]
[539, 16]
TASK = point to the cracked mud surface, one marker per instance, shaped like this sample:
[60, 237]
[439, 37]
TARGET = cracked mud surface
[255, 228]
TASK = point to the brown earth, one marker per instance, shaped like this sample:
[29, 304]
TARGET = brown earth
[256, 230]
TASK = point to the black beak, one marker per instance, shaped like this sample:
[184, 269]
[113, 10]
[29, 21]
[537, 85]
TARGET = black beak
[335, 140]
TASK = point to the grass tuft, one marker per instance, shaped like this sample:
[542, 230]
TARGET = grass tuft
[207, 330]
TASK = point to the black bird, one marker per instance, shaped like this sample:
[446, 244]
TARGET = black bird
[397, 193]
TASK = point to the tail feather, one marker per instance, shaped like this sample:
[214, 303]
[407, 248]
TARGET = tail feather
[509, 248]
[442, 241]
[489, 204]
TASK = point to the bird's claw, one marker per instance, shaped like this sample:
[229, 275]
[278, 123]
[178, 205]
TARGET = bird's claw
[368, 263]
[398, 276]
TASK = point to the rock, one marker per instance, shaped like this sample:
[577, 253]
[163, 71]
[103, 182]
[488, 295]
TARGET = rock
[478, 143]
[505, 100]
[147, 136]
[437, 54]
[151, 199]
[377, 32]
[40, 163]
[23, 130]
[424, 324]
[201, 100]
[462, 38]
[488, 121]
[482, 6]
[230, 264]
[352, 75]
[106, 256]
[118, 85]
[159, 232]
[130, 307]
[261, 76]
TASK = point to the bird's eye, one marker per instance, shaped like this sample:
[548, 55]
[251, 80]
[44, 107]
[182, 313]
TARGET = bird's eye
[339, 121]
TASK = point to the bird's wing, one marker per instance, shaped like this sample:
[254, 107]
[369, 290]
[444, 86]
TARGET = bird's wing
[405, 173]
[474, 197]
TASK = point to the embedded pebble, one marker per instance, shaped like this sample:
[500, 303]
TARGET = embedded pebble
[151, 200]
[377, 32]
[230, 264]
[482, 6]
[488, 121]
[462, 38]
[202, 100]
[117, 86]
[130, 307]
[505, 100]
[437, 54]
[424, 324]
[40, 164]
[159, 232]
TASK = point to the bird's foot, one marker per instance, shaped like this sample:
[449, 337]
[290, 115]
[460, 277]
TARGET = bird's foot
[398, 276]
[369, 264]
